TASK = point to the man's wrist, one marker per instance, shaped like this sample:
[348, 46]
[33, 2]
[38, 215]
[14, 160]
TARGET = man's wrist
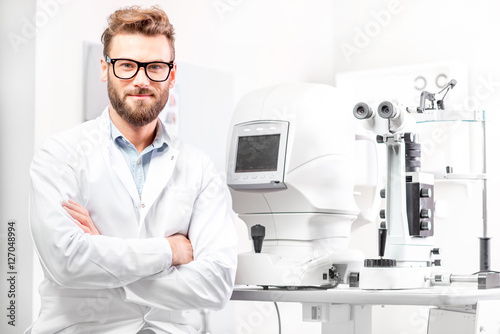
[168, 254]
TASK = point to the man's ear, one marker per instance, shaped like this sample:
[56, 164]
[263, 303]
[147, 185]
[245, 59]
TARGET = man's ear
[173, 73]
[104, 70]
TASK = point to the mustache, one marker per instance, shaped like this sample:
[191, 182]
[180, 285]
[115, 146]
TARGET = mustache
[140, 91]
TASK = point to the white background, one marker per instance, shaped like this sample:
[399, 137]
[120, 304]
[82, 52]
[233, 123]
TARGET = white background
[260, 42]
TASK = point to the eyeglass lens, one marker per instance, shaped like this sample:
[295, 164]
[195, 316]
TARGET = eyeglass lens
[126, 69]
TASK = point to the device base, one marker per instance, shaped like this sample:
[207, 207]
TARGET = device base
[326, 270]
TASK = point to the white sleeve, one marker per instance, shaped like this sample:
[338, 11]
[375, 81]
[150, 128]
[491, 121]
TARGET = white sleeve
[70, 257]
[208, 281]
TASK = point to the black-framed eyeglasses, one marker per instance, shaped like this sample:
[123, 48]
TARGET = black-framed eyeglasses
[125, 69]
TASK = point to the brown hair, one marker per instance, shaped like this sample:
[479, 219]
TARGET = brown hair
[136, 20]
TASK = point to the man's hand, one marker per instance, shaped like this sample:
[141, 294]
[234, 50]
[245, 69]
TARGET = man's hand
[182, 250]
[81, 217]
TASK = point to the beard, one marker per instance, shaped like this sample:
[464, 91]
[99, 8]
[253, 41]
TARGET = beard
[137, 113]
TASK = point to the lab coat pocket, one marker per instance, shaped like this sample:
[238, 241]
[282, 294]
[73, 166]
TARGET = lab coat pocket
[173, 211]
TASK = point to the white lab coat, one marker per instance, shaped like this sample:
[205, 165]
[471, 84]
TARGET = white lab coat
[122, 280]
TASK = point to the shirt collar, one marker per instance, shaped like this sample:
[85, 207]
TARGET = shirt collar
[161, 139]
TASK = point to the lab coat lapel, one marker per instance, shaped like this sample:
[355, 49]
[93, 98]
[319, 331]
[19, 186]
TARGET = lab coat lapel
[159, 173]
[121, 169]
[117, 160]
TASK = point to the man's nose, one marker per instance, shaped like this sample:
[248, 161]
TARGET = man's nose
[141, 79]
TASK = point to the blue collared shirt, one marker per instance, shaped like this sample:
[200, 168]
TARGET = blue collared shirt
[139, 163]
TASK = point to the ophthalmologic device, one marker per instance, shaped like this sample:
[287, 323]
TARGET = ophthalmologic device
[290, 172]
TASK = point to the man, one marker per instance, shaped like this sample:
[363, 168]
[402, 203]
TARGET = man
[133, 228]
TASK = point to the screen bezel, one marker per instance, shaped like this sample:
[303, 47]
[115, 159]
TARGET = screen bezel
[258, 180]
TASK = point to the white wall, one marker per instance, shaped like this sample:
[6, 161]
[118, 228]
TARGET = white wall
[17, 68]
[265, 42]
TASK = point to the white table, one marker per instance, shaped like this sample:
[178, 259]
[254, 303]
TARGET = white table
[348, 310]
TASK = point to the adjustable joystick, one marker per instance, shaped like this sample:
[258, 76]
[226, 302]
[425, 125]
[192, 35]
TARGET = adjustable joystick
[382, 239]
[258, 232]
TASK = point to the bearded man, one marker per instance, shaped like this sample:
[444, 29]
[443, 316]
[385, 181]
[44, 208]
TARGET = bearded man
[133, 228]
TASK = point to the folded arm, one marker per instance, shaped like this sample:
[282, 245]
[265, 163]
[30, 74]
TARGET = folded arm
[182, 250]
[69, 256]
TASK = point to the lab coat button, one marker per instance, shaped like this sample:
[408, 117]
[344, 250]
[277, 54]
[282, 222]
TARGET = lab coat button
[143, 205]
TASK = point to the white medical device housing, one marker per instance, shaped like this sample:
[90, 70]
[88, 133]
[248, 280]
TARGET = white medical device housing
[291, 170]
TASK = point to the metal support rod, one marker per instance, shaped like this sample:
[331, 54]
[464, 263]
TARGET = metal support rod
[463, 279]
[484, 254]
[485, 182]
[484, 241]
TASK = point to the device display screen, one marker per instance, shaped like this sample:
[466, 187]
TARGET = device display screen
[257, 153]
